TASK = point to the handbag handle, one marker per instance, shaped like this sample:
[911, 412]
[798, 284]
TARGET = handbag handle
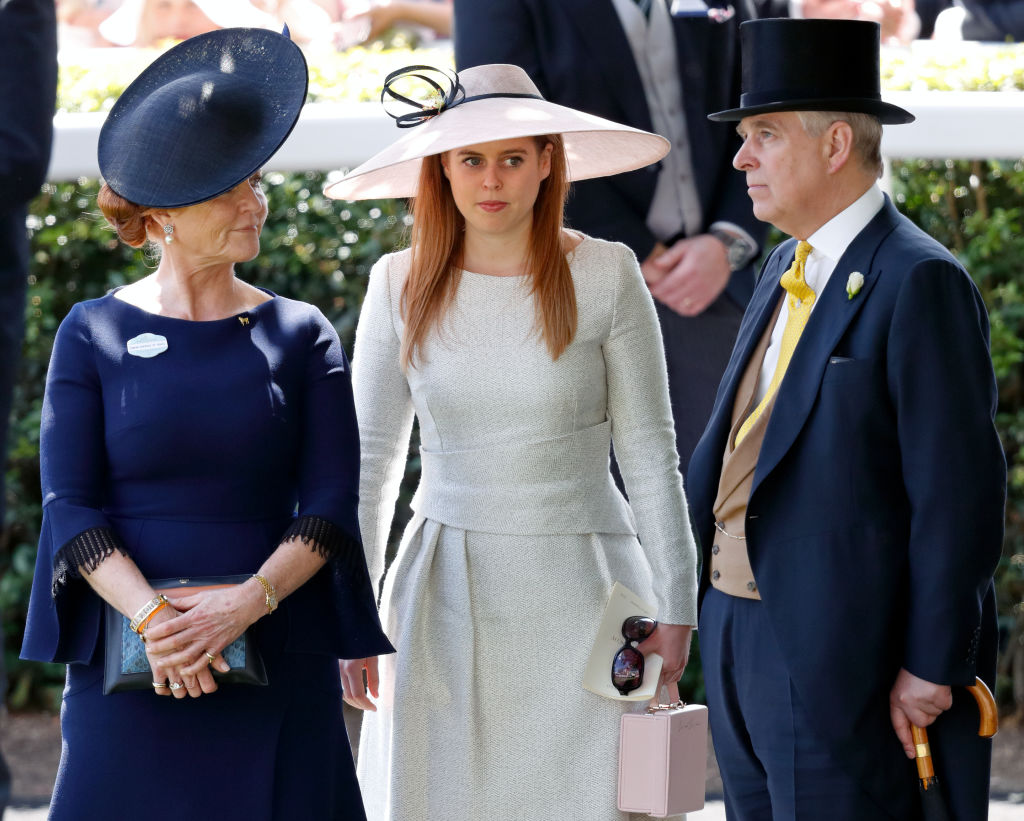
[673, 693]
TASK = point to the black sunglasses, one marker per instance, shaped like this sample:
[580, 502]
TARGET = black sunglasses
[628, 664]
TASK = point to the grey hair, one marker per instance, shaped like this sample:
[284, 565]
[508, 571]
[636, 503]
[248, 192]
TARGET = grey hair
[867, 134]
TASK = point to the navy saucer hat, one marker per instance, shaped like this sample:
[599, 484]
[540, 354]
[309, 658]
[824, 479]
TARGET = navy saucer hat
[202, 117]
[812, 65]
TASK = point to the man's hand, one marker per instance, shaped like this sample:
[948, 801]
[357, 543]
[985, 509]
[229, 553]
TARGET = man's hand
[913, 700]
[690, 275]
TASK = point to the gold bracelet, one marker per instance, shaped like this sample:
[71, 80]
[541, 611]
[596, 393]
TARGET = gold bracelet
[269, 590]
[149, 609]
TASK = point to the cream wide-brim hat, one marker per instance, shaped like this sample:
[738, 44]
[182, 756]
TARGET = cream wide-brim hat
[497, 102]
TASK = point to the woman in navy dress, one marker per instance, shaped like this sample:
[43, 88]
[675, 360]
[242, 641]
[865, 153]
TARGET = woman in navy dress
[194, 425]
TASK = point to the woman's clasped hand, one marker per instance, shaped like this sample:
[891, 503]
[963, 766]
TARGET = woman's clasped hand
[185, 645]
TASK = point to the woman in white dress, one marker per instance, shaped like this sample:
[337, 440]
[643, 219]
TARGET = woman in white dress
[523, 349]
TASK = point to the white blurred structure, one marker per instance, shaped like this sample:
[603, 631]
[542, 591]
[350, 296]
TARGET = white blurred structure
[950, 125]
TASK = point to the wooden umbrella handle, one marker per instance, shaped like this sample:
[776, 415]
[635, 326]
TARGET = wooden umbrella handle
[989, 723]
[923, 755]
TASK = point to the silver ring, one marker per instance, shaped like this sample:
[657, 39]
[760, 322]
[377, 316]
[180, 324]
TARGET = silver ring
[176, 685]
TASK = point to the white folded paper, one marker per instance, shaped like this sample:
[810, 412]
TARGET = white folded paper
[597, 676]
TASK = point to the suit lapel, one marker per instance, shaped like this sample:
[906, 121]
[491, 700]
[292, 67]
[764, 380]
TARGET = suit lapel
[598, 23]
[827, 324]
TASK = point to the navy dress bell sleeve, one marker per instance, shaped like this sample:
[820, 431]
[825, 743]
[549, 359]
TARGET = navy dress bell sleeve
[63, 618]
[327, 516]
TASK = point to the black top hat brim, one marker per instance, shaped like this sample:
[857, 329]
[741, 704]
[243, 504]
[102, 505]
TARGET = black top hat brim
[203, 117]
[812, 65]
[887, 113]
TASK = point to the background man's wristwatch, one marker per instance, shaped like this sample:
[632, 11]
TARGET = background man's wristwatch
[738, 249]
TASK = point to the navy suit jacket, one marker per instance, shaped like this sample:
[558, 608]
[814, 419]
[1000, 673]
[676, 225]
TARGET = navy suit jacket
[875, 520]
[577, 53]
[28, 84]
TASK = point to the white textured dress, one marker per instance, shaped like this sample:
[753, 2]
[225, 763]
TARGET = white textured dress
[519, 533]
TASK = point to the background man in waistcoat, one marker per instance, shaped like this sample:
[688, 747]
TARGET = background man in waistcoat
[849, 489]
[28, 85]
[688, 218]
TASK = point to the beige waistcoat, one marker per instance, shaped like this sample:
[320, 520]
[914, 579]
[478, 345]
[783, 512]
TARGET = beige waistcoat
[730, 564]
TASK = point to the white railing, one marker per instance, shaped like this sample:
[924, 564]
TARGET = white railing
[949, 125]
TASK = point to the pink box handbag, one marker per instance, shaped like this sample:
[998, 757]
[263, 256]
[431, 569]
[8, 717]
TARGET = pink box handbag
[663, 757]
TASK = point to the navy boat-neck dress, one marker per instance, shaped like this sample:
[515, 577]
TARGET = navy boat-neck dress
[199, 460]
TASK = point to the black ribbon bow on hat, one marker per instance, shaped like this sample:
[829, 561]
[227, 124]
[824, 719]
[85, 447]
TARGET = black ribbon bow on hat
[448, 92]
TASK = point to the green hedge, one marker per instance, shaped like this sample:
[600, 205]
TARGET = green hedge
[320, 251]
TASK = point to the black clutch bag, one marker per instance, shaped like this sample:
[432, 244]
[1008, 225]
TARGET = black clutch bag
[126, 667]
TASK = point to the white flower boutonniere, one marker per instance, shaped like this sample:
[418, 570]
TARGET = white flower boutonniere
[853, 284]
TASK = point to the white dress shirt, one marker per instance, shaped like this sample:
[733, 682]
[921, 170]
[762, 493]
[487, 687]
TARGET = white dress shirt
[829, 243]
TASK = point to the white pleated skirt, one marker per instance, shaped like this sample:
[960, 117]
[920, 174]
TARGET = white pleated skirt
[482, 714]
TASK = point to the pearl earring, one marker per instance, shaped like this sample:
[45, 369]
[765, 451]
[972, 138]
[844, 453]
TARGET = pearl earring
[168, 234]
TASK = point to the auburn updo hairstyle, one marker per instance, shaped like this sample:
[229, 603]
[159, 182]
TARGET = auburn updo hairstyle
[127, 218]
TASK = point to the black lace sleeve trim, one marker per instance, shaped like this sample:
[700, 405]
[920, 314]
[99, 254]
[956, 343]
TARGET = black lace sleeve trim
[84, 552]
[326, 538]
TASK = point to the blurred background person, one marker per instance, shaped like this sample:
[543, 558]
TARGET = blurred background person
[144, 23]
[78, 22]
[308, 22]
[360, 22]
[989, 20]
[28, 88]
[898, 19]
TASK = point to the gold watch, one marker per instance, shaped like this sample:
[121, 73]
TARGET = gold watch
[268, 588]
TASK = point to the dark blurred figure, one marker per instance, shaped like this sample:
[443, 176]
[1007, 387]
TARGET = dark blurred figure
[654, 65]
[28, 89]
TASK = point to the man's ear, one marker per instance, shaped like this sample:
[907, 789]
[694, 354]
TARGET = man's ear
[838, 146]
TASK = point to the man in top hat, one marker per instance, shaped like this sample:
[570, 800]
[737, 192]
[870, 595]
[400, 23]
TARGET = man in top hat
[848, 491]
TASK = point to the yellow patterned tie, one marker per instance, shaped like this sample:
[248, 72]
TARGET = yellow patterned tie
[800, 297]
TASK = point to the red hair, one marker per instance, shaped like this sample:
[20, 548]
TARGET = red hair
[437, 252]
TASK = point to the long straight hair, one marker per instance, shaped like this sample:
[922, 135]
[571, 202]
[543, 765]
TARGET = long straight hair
[437, 245]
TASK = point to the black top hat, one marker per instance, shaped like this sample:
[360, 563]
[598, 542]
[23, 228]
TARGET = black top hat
[811, 65]
[202, 117]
